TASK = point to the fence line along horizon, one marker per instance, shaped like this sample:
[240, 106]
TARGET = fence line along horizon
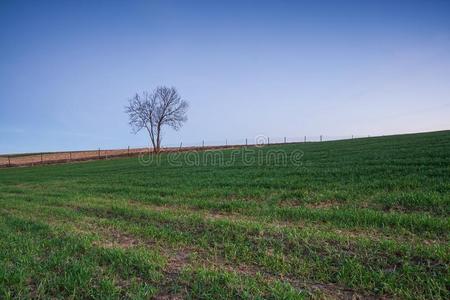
[260, 139]
[36, 158]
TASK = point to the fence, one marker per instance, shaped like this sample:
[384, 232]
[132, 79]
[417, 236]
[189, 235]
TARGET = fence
[71, 156]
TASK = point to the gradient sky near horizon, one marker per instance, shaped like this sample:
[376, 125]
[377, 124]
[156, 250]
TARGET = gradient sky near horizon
[247, 68]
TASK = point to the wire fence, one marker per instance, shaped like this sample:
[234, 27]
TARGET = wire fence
[27, 159]
[264, 140]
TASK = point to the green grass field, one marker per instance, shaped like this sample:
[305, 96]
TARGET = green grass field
[364, 217]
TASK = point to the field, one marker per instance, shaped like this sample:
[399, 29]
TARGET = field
[31, 159]
[26, 159]
[358, 218]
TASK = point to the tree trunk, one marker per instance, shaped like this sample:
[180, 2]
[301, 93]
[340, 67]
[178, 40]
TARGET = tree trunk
[158, 139]
[152, 138]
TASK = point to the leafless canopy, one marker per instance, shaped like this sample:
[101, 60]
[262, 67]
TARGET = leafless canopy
[155, 110]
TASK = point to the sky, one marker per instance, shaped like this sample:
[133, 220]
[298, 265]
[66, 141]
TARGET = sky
[247, 68]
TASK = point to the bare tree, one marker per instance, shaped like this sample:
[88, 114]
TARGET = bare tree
[153, 111]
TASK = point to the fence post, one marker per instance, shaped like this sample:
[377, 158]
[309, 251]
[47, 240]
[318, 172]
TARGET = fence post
[70, 155]
[305, 138]
[42, 159]
[226, 142]
[246, 142]
[98, 153]
[203, 144]
[9, 161]
[320, 137]
[128, 150]
[285, 140]
[268, 140]
[181, 145]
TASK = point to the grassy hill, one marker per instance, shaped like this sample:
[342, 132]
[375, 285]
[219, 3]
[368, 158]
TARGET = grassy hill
[367, 217]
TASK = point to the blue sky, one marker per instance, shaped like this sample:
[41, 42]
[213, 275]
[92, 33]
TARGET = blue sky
[276, 68]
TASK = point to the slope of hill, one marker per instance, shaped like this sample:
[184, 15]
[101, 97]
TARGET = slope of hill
[367, 217]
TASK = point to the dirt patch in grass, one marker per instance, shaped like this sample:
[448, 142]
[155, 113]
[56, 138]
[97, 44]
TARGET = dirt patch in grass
[177, 260]
[331, 291]
[324, 204]
[117, 239]
[168, 296]
[291, 203]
